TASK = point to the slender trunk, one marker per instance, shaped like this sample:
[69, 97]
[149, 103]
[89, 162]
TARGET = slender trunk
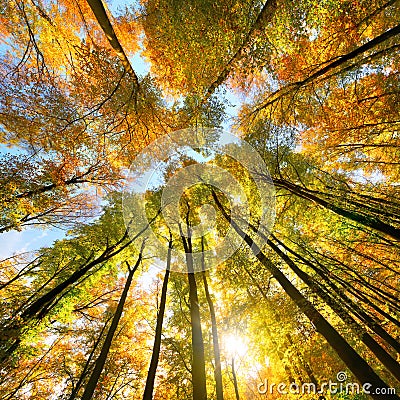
[32, 370]
[151, 375]
[364, 256]
[346, 301]
[364, 299]
[86, 367]
[356, 364]
[370, 222]
[102, 18]
[6, 352]
[39, 308]
[107, 254]
[235, 384]
[198, 360]
[214, 330]
[101, 360]
[38, 290]
[339, 61]
[352, 289]
[49, 297]
[385, 358]
[24, 271]
[360, 278]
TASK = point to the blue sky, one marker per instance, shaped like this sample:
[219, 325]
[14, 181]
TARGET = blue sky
[34, 238]
[31, 239]
[15, 242]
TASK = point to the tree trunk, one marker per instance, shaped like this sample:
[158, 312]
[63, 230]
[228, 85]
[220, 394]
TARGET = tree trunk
[370, 222]
[94, 377]
[214, 330]
[339, 61]
[346, 301]
[235, 384]
[34, 309]
[385, 358]
[84, 372]
[101, 15]
[356, 364]
[264, 16]
[110, 252]
[198, 361]
[39, 308]
[151, 375]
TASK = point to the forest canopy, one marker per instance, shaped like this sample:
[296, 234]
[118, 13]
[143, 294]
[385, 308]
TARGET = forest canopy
[223, 178]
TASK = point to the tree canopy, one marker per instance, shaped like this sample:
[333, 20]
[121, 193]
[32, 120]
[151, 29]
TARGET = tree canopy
[230, 218]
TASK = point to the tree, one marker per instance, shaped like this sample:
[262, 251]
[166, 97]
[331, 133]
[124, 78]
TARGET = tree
[38, 306]
[148, 391]
[101, 360]
[223, 40]
[360, 368]
[316, 90]
[214, 328]
[198, 362]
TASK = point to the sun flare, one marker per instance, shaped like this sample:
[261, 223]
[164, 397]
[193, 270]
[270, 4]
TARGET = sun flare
[235, 346]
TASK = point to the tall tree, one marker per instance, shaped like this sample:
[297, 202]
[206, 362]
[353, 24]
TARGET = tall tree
[151, 375]
[352, 359]
[102, 358]
[317, 89]
[198, 361]
[214, 329]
